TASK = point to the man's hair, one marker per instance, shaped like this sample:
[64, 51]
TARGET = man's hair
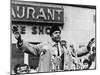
[90, 44]
[54, 28]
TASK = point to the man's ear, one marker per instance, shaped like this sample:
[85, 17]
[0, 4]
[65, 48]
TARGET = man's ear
[51, 35]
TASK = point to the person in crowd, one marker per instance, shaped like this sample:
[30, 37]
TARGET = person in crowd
[86, 64]
[88, 53]
[21, 69]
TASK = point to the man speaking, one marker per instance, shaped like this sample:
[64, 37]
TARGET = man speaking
[52, 53]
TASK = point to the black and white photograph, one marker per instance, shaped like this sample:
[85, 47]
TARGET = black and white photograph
[52, 37]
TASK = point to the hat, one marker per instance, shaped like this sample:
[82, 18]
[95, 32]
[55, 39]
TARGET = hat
[54, 28]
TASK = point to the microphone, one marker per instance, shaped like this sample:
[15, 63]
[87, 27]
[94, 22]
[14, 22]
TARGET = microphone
[63, 43]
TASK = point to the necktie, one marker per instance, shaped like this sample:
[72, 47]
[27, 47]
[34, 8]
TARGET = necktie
[58, 50]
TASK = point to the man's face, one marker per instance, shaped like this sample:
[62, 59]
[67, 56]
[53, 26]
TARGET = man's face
[56, 36]
[85, 66]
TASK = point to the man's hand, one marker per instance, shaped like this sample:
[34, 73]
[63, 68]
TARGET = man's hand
[15, 29]
[16, 32]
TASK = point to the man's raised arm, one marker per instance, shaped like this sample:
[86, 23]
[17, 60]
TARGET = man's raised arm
[22, 45]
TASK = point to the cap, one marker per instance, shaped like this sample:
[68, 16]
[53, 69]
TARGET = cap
[54, 28]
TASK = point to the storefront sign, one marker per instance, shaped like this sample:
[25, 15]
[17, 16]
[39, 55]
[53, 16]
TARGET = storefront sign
[34, 30]
[33, 13]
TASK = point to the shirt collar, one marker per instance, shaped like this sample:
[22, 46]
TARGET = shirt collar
[53, 43]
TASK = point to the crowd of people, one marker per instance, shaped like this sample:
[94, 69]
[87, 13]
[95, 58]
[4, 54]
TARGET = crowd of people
[84, 58]
[56, 55]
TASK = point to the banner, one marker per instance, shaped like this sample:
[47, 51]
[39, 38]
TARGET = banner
[33, 13]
